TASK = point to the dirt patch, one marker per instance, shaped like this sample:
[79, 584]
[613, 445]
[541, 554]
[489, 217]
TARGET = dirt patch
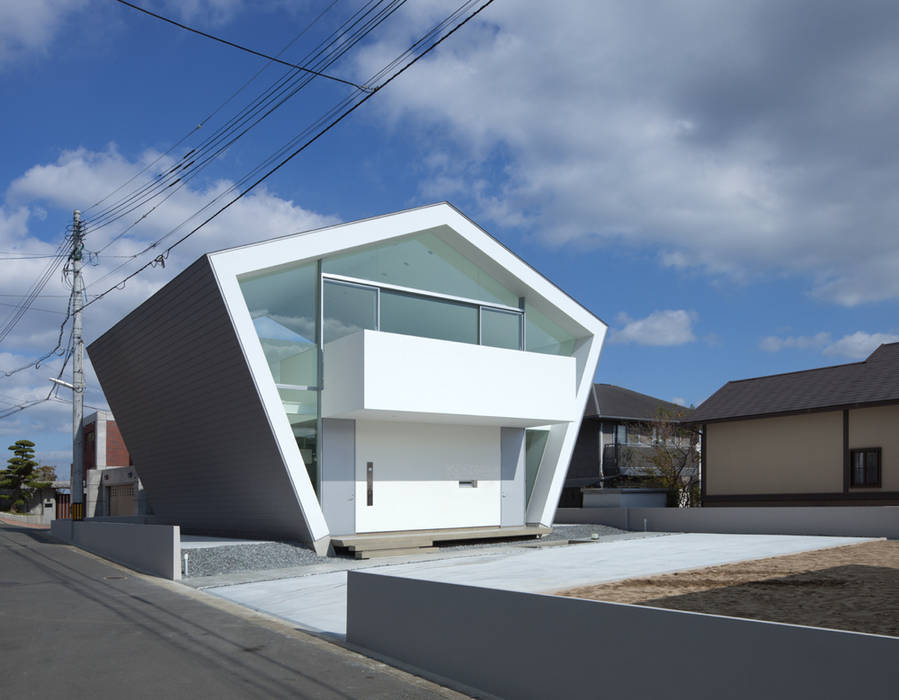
[851, 588]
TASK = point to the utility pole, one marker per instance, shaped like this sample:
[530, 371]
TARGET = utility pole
[77, 301]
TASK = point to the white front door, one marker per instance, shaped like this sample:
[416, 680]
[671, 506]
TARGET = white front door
[426, 476]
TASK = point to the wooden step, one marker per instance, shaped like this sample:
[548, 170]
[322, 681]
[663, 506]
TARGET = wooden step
[386, 544]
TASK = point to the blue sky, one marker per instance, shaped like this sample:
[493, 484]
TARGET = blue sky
[716, 181]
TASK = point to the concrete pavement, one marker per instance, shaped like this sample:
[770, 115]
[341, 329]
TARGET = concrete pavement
[73, 625]
[318, 602]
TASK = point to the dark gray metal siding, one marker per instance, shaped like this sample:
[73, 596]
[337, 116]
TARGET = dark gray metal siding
[177, 381]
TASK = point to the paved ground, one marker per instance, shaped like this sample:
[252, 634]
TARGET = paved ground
[73, 625]
[318, 601]
[232, 562]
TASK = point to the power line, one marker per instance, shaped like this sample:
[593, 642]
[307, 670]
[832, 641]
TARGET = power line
[22, 307]
[46, 311]
[215, 111]
[361, 23]
[342, 110]
[243, 48]
[27, 257]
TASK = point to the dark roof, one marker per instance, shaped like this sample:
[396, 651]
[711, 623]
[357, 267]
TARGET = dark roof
[875, 380]
[610, 401]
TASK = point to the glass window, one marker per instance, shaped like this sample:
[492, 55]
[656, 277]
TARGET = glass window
[500, 329]
[348, 308]
[423, 261]
[301, 408]
[542, 335]
[865, 465]
[282, 306]
[428, 317]
[534, 445]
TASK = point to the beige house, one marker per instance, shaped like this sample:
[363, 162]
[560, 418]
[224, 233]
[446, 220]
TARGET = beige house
[826, 436]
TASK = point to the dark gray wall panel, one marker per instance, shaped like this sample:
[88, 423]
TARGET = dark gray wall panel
[182, 394]
[338, 467]
[524, 645]
[512, 473]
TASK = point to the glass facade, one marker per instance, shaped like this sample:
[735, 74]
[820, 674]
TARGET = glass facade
[534, 445]
[500, 329]
[424, 262]
[428, 317]
[542, 335]
[282, 305]
[348, 308]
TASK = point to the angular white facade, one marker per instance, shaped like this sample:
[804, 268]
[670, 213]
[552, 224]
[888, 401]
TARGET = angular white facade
[398, 373]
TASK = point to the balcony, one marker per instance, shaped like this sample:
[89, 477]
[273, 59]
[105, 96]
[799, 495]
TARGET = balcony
[388, 376]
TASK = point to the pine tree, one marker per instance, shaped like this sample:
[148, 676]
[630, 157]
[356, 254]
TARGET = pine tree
[19, 478]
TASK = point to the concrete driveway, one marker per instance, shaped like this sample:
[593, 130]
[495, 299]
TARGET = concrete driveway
[318, 601]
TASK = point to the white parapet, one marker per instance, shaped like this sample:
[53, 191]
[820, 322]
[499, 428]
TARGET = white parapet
[388, 376]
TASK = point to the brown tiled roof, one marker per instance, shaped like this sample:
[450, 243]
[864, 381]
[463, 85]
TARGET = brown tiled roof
[875, 380]
[610, 401]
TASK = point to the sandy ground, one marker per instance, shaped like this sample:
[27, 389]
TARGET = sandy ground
[851, 588]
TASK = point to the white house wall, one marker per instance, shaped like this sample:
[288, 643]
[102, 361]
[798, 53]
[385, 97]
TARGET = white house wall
[417, 468]
[445, 221]
[178, 383]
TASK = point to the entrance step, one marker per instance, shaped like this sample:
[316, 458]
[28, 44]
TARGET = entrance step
[381, 544]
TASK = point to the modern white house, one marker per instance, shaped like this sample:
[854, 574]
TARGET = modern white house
[401, 373]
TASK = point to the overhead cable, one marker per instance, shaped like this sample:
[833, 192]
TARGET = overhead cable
[335, 115]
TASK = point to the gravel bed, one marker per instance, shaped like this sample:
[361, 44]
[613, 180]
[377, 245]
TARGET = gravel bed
[211, 561]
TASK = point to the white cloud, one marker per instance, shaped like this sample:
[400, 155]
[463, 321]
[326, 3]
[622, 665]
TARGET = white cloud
[83, 176]
[680, 401]
[725, 155]
[854, 346]
[858, 345]
[670, 327]
[31, 25]
[773, 343]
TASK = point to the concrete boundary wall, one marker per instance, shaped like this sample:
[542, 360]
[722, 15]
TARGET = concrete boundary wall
[154, 549]
[834, 521]
[44, 518]
[524, 645]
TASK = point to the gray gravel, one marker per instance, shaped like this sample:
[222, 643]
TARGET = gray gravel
[210, 561]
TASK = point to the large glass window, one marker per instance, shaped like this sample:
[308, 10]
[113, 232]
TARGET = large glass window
[282, 306]
[543, 335]
[534, 446]
[348, 308]
[500, 329]
[423, 261]
[301, 408]
[428, 317]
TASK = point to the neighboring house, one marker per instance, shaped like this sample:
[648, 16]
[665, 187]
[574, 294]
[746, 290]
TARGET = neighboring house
[826, 436]
[112, 486]
[615, 441]
[406, 372]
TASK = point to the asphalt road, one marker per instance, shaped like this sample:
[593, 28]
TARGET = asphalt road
[75, 626]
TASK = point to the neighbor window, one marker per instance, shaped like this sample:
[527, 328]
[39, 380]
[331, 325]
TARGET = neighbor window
[864, 465]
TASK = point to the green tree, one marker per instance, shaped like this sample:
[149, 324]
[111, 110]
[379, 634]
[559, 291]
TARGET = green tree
[19, 478]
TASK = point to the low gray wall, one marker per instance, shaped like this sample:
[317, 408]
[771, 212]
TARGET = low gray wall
[154, 549]
[44, 518]
[834, 521]
[523, 645]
